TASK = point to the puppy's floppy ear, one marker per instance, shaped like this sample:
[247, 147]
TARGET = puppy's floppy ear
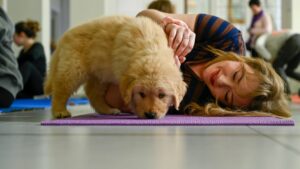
[126, 86]
[179, 92]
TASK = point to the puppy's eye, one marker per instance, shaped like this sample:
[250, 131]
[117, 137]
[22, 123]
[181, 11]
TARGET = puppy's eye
[142, 94]
[161, 95]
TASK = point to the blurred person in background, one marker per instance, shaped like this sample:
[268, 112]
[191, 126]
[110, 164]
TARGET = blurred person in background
[10, 77]
[31, 60]
[282, 49]
[261, 23]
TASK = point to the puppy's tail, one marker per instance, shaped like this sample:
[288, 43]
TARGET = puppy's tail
[47, 86]
[51, 73]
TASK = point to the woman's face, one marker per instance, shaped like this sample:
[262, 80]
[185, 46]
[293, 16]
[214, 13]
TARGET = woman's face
[255, 9]
[19, 39]
[229, 84]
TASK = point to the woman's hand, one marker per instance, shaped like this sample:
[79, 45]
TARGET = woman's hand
[180, 37]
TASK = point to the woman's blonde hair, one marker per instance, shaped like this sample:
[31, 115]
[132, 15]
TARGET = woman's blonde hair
[269, 98]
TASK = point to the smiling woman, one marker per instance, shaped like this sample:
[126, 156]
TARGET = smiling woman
[221, 80]
[228, 83]
[238, 86]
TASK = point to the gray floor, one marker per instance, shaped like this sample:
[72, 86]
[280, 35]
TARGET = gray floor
[24, 144]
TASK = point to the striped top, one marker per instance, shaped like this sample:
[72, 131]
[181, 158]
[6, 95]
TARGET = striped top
[218, 33]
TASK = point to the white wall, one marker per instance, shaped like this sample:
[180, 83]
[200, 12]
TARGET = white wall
[286, 13]
[81, 11]
[3, 4]
[113, 7]
[291, 14]
[60, 18]
[296, 15]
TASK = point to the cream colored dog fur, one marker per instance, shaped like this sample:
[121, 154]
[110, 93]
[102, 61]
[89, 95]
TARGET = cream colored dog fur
[131, 52]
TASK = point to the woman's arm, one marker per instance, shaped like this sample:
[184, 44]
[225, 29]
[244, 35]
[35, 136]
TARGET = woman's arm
[158, 16]
[179, 29]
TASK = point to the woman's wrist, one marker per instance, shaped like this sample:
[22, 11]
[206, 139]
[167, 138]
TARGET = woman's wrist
[112, 97]
[180, 37]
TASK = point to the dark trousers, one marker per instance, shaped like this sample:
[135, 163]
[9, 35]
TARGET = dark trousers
[6, 98]
[254, 54]
[32, 80]
[252, 50]
[288, 59]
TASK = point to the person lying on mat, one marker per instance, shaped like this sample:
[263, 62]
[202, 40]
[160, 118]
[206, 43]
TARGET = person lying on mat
[221, 81]
[10, 77]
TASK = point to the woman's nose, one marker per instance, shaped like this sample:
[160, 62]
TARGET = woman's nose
[224, 81]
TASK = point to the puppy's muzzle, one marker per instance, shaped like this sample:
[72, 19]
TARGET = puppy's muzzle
[150, 115]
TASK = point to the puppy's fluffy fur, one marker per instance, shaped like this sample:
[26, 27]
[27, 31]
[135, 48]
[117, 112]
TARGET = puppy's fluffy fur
[131, 52]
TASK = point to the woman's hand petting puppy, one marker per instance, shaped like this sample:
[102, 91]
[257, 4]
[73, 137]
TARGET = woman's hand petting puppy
[180, 37]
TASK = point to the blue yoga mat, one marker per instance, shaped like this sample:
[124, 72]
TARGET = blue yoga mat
[28, 104]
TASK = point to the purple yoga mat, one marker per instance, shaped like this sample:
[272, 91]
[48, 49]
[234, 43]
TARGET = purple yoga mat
[169, 120]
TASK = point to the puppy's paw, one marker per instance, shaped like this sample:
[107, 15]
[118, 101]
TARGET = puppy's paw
[61, 114]
[115, 112]
[110, 111]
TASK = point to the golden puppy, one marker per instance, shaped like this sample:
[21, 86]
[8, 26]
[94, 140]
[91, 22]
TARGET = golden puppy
[131, 52]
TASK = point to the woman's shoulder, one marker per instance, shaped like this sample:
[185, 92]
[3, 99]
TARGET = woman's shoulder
[37, 47]
[36, 51]
[207, 19]
[213, 27]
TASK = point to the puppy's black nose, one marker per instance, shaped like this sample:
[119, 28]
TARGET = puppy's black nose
[150, 115]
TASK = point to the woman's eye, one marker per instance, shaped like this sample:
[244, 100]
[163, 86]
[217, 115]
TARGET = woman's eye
[237, 76]
[228, 97]
[142, 94]
[234, 77]
[161, 95]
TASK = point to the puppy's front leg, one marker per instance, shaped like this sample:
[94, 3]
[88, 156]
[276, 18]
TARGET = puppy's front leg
[60, 96]
[59, 109]
[95, 91]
